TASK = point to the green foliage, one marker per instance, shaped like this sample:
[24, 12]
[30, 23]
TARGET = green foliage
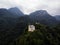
[43, 35]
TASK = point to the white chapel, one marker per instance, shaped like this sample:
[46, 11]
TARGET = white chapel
[31, 28]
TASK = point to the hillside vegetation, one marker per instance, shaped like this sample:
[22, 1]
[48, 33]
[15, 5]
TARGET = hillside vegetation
[43, 35]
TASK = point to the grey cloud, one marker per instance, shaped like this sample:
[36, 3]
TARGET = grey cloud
[52, 6]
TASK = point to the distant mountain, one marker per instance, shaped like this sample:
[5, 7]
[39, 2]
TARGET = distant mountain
[9, 16]
[5, 13]
[57, 17]
[8, 22]
[16, 11]
[43, 17]
[7, 19]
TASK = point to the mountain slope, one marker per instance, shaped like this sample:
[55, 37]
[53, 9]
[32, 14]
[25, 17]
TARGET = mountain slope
[43, 17]
[57, 17]
[5, 13]
[16, 11]
[41, 36]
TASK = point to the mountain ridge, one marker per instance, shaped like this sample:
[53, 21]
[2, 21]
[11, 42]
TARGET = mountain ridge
[16, 11]
[57, 17]
[40, 16]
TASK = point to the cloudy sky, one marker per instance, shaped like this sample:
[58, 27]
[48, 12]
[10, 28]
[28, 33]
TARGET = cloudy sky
[28, 6]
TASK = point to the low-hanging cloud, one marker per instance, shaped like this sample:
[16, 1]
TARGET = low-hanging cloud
[28, 6]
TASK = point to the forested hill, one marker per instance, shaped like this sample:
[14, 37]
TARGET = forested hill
[43, 35]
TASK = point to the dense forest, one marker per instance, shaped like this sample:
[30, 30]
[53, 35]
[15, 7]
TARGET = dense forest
[43, 35]
[19, 35]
